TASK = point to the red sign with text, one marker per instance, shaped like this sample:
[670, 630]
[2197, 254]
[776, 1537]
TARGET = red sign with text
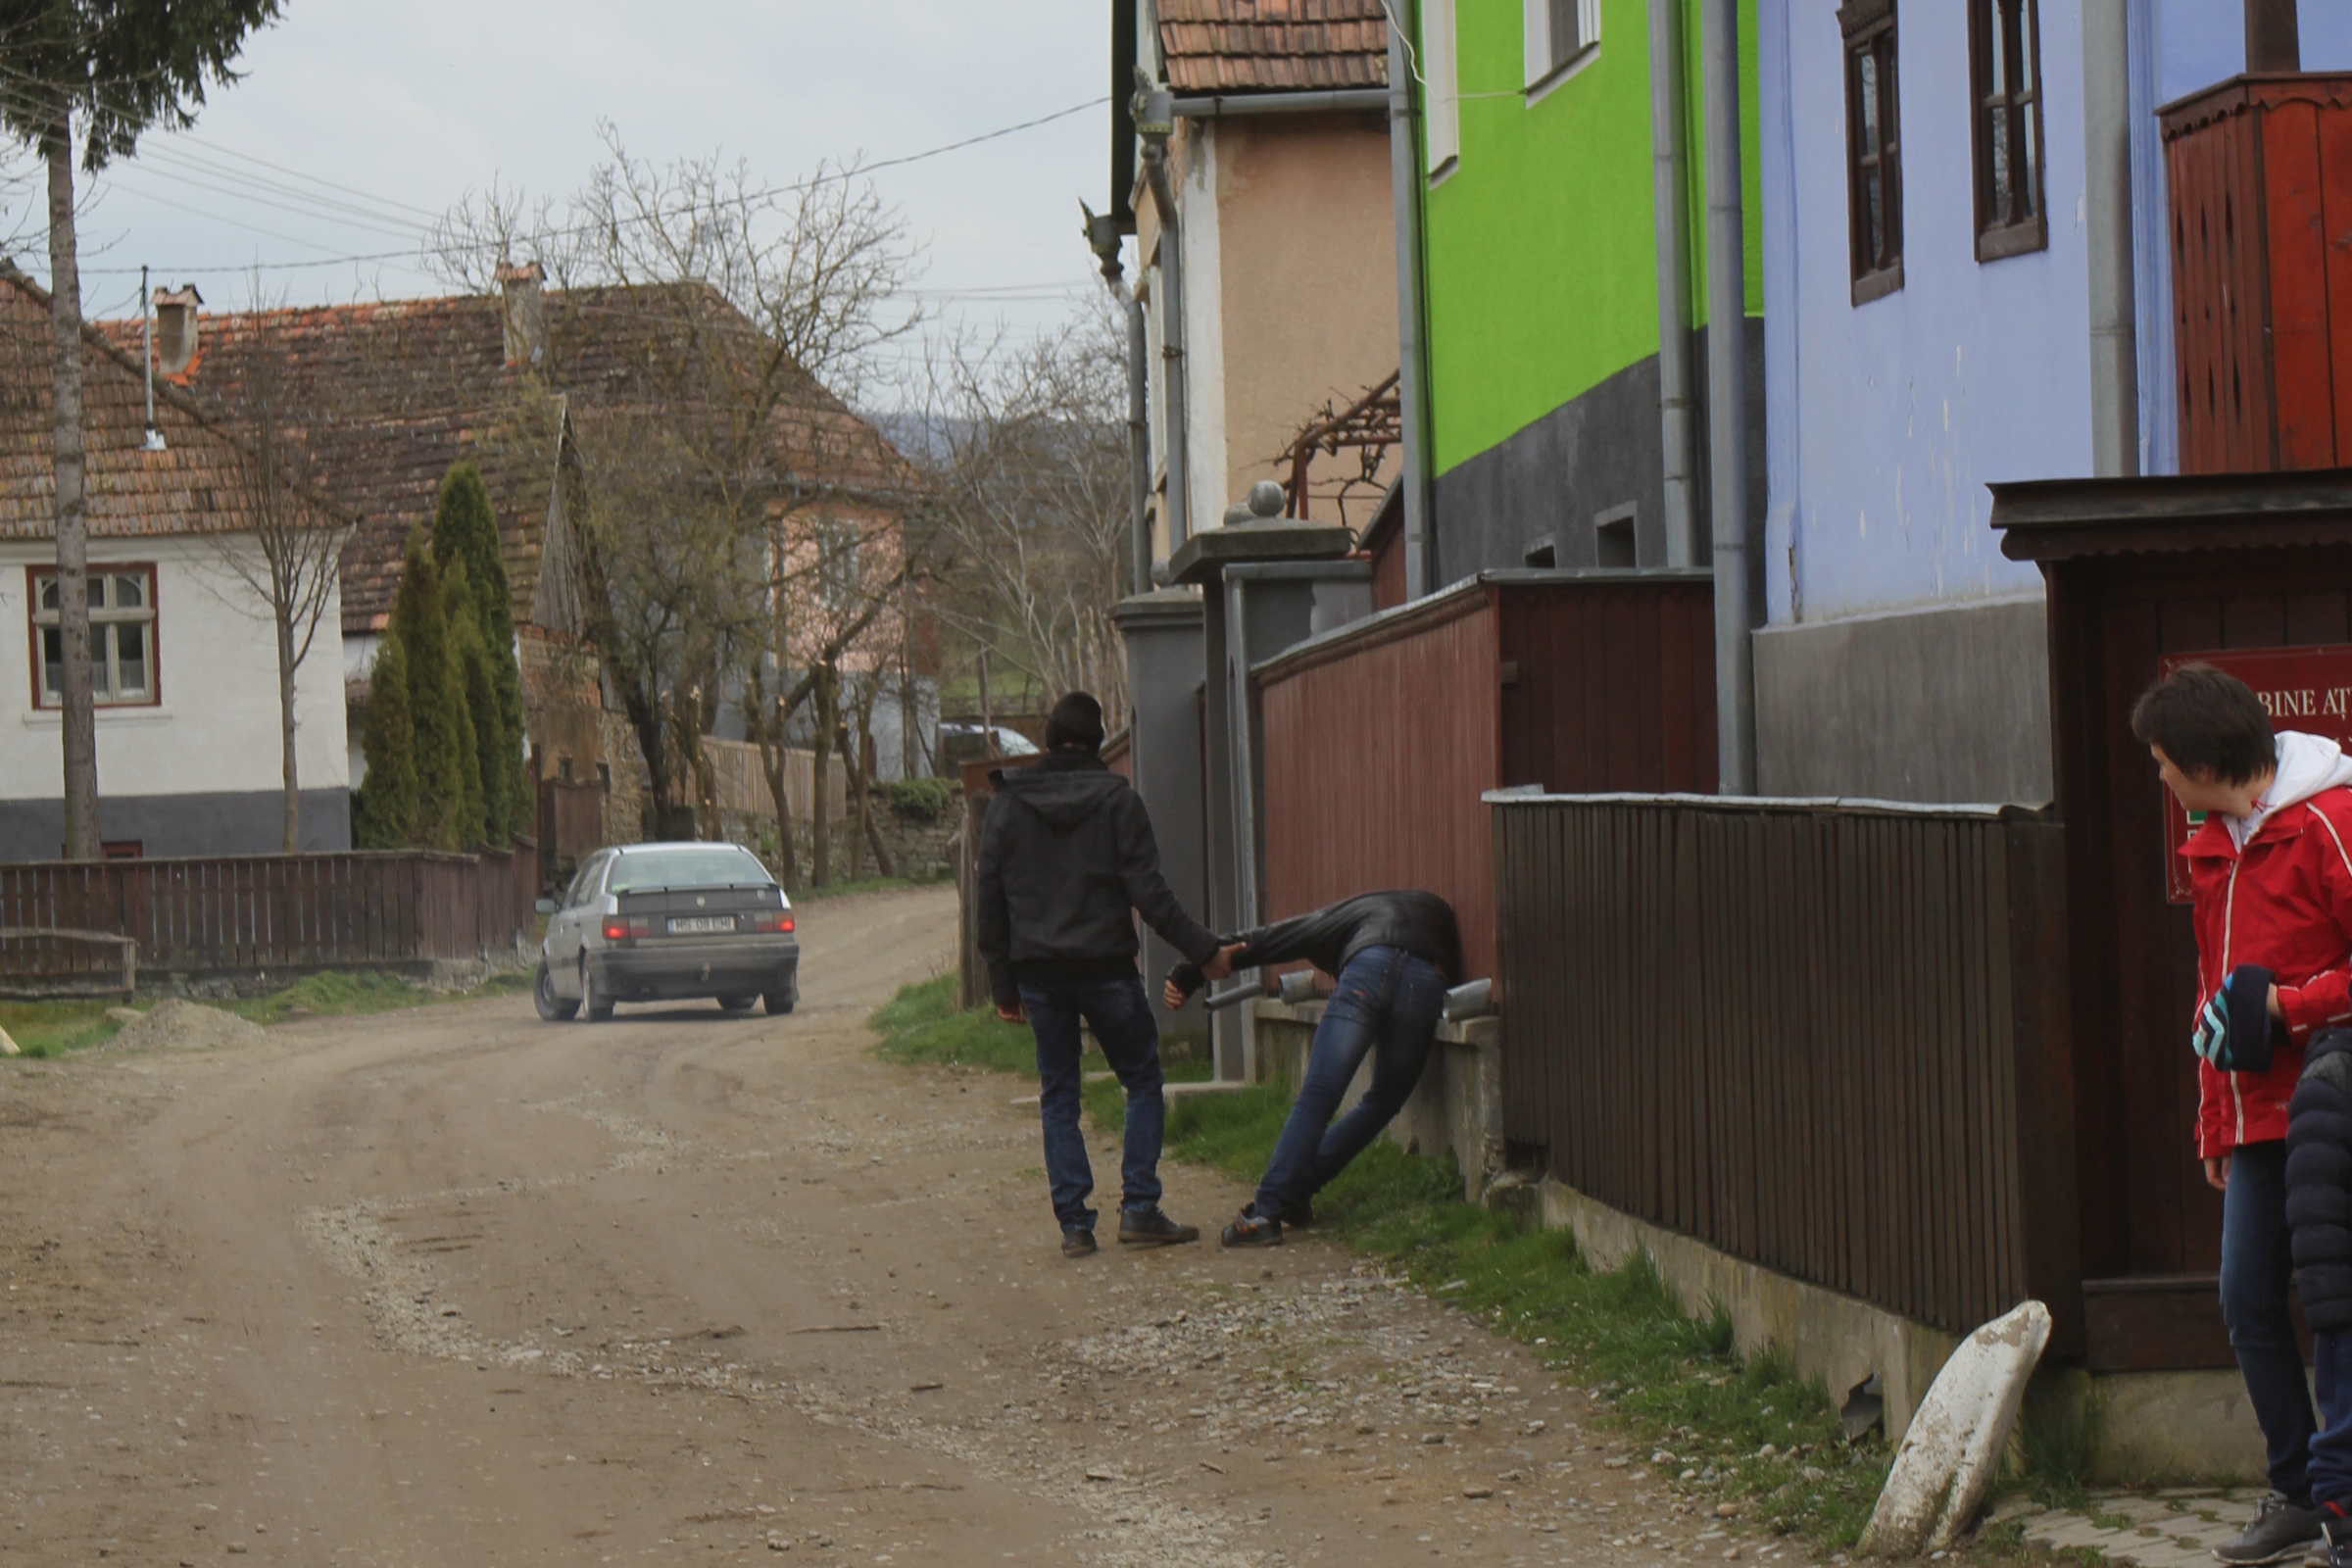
[2309, 689]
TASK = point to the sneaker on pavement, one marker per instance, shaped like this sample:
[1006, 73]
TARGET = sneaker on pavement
[2278, 1531]
[1148, 1227]
[1251, 1229]
[2335, 1541]
[1077, 1241]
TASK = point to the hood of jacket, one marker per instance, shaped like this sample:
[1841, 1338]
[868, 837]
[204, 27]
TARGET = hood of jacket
[1063, 787]
[2307, 764]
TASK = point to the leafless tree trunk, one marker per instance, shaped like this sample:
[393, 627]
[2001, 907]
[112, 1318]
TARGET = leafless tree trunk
[292, 567]
[80, 728]
[821, 813]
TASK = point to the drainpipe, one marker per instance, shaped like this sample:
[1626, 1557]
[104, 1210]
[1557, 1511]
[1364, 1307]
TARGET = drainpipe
[1156, 123]
[2107, 214]
[1412, 390]
[1671, 220]
[1341, 101]
[1727, 397]
[1103, 238]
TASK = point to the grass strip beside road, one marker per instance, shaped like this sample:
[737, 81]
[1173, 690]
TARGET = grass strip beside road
[1719, 1427]
[47, 1030]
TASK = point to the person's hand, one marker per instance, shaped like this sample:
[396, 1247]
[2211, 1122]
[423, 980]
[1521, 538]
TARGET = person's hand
[2217, 1172]
[1011, 1012]
[1218, 967]
[1324, 984]
[2278, 1012]
[1171, 996]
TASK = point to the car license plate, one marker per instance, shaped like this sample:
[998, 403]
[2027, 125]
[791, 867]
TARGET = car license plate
[693, 924]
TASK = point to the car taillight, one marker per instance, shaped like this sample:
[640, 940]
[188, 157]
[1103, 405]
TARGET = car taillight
[771, 922]
[617, 929]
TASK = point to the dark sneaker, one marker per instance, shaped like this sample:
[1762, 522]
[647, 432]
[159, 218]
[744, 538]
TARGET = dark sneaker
[2335, 1542]
[2278, 1531]
[1148, 1227]
[1077, 1241]
[1252, 1230]
[1301, 1218]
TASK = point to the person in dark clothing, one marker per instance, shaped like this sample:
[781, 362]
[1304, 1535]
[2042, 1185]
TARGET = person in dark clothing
[2319, 1209]
[1386, 960]
[1066, 861]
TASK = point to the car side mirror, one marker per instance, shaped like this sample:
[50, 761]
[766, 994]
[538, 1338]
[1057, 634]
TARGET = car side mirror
[544, 906]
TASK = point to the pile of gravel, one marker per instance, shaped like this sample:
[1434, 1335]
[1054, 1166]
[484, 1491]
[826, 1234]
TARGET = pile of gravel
[177, 1025]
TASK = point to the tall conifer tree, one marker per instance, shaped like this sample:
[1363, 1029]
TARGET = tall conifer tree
[496, 760]
[447, 778]
[465, 528]
[383, 808]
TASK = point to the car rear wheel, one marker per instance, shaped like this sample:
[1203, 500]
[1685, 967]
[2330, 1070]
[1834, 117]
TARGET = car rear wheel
[594, 1003]
[780, 1002]
[551, 1007]
[737, 1003]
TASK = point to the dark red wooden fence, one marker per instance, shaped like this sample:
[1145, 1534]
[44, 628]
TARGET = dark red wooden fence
[268, 912]
[1379, 739]
[2260, 170]
[1828, 1039]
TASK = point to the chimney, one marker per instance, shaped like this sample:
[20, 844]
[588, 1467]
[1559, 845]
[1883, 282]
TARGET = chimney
[521, 313]
[175, 329]
[2273, 40]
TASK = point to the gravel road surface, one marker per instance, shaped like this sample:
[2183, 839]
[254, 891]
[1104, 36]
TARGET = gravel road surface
[450, 1286]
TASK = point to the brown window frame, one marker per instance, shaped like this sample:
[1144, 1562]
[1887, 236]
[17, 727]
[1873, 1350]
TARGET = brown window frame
[37, 577]
[2002, 234]
[1868, 29]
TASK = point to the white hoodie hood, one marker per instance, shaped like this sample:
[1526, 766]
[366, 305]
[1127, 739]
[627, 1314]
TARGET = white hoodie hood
[2307, 764]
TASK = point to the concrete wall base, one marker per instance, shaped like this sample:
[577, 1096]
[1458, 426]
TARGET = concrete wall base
[1833, 1337]
[1945, 703]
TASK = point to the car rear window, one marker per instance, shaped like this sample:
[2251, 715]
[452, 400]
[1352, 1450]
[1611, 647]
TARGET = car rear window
[716, 866]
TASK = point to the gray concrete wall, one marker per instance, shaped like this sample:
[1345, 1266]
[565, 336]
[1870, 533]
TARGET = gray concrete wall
[1939, 704]
[1591, 455]
[1164, 677]
[242, 823]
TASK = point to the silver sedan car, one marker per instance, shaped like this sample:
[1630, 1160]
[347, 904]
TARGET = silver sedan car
[664, 922]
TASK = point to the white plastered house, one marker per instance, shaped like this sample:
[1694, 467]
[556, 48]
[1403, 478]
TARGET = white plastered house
[189, 753]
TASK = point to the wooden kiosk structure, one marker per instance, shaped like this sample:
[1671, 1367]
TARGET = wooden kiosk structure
[2252, 572]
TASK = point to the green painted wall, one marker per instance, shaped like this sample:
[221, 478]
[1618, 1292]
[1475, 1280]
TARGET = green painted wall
[1539, 257]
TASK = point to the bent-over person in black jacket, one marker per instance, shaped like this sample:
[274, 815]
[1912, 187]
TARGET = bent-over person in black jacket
[1067, 860]
[1386, 960]
[2319, 1209]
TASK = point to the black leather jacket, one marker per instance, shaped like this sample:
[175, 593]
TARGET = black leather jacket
[1421, 923]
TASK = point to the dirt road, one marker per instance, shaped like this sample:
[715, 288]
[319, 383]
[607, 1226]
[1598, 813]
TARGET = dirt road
[456, 1287]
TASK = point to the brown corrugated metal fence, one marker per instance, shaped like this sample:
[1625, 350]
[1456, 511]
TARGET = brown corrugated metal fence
[1379, 739]
[1376, 750]
[1825, 1037]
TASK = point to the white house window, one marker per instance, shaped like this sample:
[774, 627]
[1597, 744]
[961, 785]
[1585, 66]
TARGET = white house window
[1442, 126]
[1558, 35]
[836, 568]
[122, 669]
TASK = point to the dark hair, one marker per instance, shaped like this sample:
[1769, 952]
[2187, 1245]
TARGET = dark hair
[2210, 724]
[1076, 720]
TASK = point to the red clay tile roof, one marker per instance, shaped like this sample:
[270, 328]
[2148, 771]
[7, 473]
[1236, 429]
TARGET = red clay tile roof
[1273, 45]
[192, 486]
[400, 390]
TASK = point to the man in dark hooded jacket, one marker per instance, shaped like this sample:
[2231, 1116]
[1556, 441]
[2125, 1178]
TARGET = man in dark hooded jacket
[2319, 1209]
[1066, 861]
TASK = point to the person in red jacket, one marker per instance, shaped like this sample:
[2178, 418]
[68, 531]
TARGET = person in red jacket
[2271, 869]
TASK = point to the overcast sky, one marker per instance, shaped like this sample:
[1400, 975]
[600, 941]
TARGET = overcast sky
[411, 106]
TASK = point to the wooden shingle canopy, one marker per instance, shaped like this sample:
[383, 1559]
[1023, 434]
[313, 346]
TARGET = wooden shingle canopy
[1222, 46]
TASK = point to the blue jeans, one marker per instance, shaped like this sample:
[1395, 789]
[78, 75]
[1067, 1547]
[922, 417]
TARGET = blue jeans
[1387, 1004]
[2332, 1446]
[2258, 1265]
[1121, 1017]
